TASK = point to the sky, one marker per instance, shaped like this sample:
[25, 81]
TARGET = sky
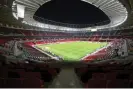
[72, 12]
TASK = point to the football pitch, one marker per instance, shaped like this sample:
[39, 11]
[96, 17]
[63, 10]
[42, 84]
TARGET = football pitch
[72, 51]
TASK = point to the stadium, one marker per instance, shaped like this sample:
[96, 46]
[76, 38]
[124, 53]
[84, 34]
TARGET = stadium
[66, 44]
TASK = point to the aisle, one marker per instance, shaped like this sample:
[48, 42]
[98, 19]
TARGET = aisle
[67, 78]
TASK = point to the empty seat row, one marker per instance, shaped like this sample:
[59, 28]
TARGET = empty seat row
[46, 75]
[109, 84]
[19, 74]
[20, 83]
[109, 75]
[112, 75]
[95, 73]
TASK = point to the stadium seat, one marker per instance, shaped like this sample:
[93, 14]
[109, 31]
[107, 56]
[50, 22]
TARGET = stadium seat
[17, 73]
[46, 76]
[98, 76]
[52, 71]
[130, 83]
[81, 70]
[110, 75]
[2, 41]
[94, 83]
[86, 76]
[118, 83]
[32, 83]
[12, 74]
[3, 72]
[19, 66]
[22, 74]
[32, 75]
[1, 82]
[0, 64]
[29, 67]
[123, 75]
[13, 83]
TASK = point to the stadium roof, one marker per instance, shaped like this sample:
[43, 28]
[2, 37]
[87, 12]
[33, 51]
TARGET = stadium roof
[117, 12]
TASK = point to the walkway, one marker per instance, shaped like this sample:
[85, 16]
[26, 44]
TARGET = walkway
[67, 78]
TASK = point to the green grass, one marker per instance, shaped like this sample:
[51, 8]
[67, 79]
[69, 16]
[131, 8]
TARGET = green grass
[72, 51]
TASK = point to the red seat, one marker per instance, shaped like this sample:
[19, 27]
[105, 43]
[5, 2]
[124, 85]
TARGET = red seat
[1, 83]
[131, 76]
[52, 71]
[20, 72]
[3, 73]
[0, 64]
[13, 83]
[94, 83]
[82, 70]
[118, 83]
[32, 75]
[32, 83]
[111, 75]
[123, 75]
[98, 76]
[131, 83]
